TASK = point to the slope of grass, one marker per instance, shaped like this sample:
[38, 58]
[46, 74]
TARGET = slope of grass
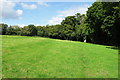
[36, 57]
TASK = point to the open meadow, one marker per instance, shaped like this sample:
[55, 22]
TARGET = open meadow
[37, 57]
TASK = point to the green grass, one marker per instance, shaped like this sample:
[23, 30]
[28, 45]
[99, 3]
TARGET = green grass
[36, 57]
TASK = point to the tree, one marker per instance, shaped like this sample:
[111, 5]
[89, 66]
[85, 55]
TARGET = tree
[16, 30]
[80, 27]
[25, 31]
[95, 17]
[32, 30]
[10, 31]
[102, 21]
[111, 22]
[40, 31]
[3, 28]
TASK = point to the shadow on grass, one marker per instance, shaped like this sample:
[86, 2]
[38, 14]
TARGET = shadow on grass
[115, 48]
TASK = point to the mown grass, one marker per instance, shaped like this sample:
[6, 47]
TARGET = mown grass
[36, 57]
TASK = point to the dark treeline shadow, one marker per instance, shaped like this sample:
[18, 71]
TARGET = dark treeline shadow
[114, 47]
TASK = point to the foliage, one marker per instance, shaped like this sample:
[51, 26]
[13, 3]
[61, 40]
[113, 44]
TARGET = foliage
[103, 22]
[3, 29]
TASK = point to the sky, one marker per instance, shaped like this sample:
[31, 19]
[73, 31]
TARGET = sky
[39, 13]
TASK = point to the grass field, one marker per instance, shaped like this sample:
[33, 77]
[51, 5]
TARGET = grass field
[36, 57]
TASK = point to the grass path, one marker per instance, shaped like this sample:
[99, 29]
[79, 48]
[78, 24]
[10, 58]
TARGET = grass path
[35, 57]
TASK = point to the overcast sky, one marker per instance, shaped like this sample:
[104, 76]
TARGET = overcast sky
[39, 13]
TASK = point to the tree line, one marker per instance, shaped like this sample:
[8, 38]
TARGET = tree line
[100, 25]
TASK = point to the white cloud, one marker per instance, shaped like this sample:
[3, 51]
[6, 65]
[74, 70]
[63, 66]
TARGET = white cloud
[21, 25]
[8, 12]
[55, 20]
[19, 12]
[42, 3]
[74, 10]
[69, 12]
[37, 24]
[26, 6]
